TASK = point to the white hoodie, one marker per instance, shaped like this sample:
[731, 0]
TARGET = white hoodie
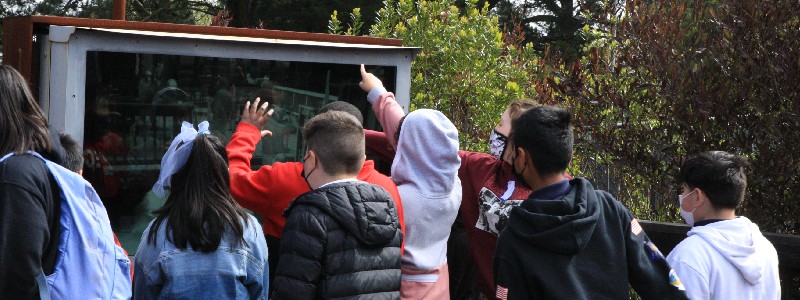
[728, 259]
[425, 170]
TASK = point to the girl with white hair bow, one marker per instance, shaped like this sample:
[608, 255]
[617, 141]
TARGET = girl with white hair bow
[202, 244]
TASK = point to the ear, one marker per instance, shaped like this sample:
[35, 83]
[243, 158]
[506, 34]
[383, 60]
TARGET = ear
[522, 157]
[311, 159]
[702, 197]
[527, 160]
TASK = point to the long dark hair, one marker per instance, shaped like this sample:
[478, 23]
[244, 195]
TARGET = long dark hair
[23, 125]
[200, 208]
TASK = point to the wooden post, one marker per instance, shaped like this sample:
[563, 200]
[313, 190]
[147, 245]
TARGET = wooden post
[119, 10]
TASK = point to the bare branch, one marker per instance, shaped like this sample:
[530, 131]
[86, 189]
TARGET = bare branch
[541, 18]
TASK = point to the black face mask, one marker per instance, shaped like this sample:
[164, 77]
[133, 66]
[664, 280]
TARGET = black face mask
[518, 175]
[304, 175]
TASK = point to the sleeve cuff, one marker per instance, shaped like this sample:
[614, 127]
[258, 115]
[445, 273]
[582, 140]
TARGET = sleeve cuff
[375, 93]
[248, 129]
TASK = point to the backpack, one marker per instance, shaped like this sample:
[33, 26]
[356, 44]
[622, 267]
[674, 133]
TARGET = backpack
[89, 265]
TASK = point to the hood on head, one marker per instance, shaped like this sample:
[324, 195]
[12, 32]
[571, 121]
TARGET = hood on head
[736, 241]
[364, 210]
[562, 225]
[427, 153]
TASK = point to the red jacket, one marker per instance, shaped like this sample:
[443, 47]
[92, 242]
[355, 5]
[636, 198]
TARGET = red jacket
[269, 190]
[481, 171]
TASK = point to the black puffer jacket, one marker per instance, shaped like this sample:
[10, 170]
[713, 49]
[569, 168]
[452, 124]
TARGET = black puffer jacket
[340, 241]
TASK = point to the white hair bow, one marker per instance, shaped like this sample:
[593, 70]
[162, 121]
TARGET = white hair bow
[175, 158]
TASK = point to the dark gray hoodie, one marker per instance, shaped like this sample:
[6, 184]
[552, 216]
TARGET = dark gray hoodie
[584, 245]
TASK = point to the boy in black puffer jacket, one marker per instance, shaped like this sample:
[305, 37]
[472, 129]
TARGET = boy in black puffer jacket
[342, 239]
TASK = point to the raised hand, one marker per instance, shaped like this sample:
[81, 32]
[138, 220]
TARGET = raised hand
[368, 80]
[257, 116]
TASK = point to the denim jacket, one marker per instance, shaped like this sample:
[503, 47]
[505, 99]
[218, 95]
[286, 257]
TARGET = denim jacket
[234, 271]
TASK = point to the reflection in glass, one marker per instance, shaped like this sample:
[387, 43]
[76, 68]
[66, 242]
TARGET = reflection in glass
[135, 104]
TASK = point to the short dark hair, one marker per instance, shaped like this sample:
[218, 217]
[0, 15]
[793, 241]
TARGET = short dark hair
[338, 140]
[719, 174]
[73, 158]
[23, 125]
[546, 133]
[345, 107]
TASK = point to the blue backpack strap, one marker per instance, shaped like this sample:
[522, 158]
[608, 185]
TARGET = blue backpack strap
[44, 292]
[6, 156]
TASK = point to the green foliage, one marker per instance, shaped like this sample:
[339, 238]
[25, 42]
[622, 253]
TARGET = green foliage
[166, 11]
[296, 15]
[730, 70]
[354, 27]
[653, 86]
[554, 24]
[45, 7]
[334, 25]
[355, 22]
[466, 69]
[171, 11]
[682, 77]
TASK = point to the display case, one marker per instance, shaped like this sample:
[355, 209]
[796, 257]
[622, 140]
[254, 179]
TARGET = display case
[123, 88]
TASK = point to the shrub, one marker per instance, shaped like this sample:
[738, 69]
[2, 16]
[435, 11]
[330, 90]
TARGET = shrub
[682, 77]
[658, 82]
[464, 70]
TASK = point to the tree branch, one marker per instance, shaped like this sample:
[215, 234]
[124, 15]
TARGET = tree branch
[541, 18]
[547, 4]
[204, 7]
[567, 5]
[142, 7]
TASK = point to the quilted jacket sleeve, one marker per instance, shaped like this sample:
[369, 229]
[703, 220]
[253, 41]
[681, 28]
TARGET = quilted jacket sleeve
[302, 249]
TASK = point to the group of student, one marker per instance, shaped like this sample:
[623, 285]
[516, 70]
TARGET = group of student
[337, 228]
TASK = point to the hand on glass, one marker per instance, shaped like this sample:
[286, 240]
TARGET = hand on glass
[257, 116]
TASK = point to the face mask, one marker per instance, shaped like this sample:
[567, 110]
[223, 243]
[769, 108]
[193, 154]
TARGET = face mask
[497, 144]
[688, 216]
[518, 175]
[304, 175]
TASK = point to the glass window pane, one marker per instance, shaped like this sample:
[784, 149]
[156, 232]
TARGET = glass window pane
[135, 104]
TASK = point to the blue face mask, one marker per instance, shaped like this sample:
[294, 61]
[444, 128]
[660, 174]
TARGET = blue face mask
[497, 144]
